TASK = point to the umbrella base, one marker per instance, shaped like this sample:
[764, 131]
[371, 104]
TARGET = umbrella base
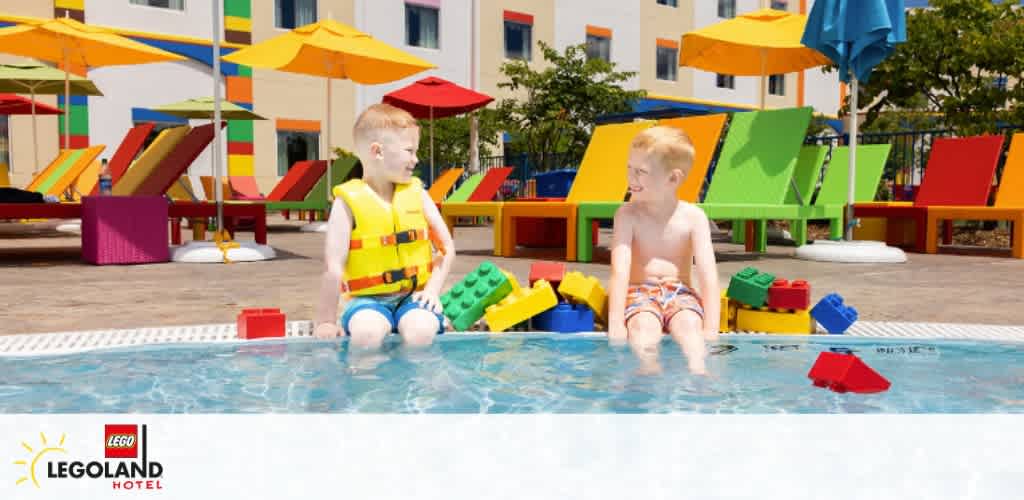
[70, 226]
[858, 252]
[314, 227]
[207, 252]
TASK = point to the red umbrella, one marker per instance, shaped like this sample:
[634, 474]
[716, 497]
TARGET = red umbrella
[13, 104]
[434, 97]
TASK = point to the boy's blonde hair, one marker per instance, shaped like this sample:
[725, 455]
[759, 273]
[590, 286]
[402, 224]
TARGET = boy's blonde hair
[669, 147]
[380, 117]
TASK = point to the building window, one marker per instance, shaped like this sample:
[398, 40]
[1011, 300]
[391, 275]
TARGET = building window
[999, 82]
[164, 4]
[421, 26]
[295, 146]
[599, 43]
[777, 85]
[670, 3]
[667, 62]
[780, 4]
[725, 81]
[290, 14]
[726, 8]
[518, 35]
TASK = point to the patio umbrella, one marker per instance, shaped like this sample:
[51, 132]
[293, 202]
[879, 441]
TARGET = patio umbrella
[203, 108]
[760, 43]
[11, 104]
[35, 79]
[856, 35]
[332, 50]
[70, 43]
[434, 97]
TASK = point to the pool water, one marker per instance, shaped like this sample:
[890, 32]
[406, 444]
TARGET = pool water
[513, 373]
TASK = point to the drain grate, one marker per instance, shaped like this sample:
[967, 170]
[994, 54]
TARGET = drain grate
[70, 342]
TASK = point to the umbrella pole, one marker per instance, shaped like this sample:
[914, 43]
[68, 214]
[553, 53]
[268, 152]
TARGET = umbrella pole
[431, 145]
[764, 80]
[851, 187]
[67, 103]
[35, 144]
[327, 146]
[218, 195]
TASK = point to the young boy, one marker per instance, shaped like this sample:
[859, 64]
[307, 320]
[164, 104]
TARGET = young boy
[656, 241]
[378, 247]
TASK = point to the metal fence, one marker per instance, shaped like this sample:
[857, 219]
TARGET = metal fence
[905, 166]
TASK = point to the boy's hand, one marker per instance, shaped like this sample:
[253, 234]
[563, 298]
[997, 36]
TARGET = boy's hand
[617, 333]
[326, 331]
[428, 300]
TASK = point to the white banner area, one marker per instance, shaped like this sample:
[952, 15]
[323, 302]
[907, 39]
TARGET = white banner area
[515, 457]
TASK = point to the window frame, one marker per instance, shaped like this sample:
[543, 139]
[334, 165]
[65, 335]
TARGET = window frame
[277, 24]
[730, 81]
[528, 45]
[674, 63]
[308, 133]
[779, 83]
[437, 12]
[133, 3]
[731, 9]
[605, 39]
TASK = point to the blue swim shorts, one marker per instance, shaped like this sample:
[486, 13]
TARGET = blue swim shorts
[393, 307]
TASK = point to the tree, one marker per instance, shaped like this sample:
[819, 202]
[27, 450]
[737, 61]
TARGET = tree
[451, 138]
[961, 61]
[559, 104]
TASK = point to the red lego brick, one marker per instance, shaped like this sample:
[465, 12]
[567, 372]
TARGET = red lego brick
[552, 272]
[786, 295]
[260, 323]
[846, 373]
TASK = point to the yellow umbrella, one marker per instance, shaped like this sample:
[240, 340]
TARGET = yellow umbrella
[333, 50]
[73, 44]
[760, 43]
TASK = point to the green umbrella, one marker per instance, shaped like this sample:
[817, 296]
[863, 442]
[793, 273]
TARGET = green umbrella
[202, 109]
[35, 79]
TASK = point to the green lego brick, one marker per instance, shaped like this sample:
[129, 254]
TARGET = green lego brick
[244, 71]
[750, 287]
[464, 304]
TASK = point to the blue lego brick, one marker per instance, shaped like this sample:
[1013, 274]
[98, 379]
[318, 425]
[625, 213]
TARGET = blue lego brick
[833, 314]
[565, 318]
[465, 302]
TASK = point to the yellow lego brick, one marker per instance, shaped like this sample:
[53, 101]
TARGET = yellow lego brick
[774, 321]
[585, 290]
[520, 306]
[511, 279]
[727, 315]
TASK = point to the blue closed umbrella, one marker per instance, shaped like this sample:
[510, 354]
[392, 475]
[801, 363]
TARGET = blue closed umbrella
[856, 35]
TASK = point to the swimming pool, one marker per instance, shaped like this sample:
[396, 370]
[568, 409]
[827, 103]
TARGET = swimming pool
[511, 373]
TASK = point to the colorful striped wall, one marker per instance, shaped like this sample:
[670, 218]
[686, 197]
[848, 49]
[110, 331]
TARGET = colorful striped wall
[79, 105]
[238, 29]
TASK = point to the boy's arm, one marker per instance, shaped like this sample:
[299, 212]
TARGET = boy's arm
[707, 273]
[339, 233]
[618, 283]
[432, 290]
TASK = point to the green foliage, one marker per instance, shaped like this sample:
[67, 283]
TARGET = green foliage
[946, 73]
[451, 138]
[555, 107]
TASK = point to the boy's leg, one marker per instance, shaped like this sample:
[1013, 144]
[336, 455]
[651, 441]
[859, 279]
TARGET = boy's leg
[644, 332]
[367, 322]
[416, 325]
[685, 328]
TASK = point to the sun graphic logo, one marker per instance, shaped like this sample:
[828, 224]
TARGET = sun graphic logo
[36, 455]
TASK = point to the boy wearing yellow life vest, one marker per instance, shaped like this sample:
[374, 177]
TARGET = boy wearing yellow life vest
[378, 249]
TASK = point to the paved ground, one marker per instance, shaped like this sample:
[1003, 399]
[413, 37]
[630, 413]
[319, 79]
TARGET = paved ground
[47, 289]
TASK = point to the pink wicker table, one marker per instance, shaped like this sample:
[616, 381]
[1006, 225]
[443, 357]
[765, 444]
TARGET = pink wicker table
[124, 230]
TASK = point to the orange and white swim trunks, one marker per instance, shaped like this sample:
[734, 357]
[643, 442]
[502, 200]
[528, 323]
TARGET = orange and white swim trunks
[664, 299]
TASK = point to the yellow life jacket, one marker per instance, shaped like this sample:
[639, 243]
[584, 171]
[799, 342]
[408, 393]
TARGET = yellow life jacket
[388, 247]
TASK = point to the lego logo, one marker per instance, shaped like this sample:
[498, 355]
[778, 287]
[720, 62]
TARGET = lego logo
[121, 441]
